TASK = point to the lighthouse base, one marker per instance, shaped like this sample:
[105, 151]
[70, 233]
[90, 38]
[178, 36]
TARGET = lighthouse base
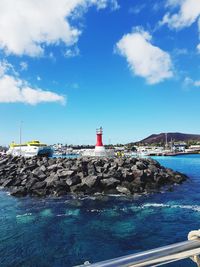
[100, 151]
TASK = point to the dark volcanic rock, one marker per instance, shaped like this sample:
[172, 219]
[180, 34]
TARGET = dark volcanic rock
[39, 185]
[19, 191]
[65, 173]
[110, 183]
[57, 177]
[7, 182]
[123, 190]
[91, 181]
[51, 180]
[73, 180]
[30, 183]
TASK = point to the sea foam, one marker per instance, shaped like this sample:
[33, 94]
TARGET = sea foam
[161, 205]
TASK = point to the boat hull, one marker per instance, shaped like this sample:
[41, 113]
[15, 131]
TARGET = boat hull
[31, 151]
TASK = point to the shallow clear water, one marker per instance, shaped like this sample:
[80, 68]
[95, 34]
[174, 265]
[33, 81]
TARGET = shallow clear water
[66, 232]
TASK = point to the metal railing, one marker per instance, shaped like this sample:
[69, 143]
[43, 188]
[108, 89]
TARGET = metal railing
[154, 257]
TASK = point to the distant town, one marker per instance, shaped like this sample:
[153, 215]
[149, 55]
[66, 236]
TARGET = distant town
[163, 144]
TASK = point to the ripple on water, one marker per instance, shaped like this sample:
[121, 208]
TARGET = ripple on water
[46, 213]
[25, 218]
[72, 212]
[161, 205]
[124, 228]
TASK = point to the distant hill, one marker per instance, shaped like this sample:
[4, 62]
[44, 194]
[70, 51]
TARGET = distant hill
[176, 137]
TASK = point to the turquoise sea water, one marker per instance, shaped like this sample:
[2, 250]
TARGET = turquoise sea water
[66, 232]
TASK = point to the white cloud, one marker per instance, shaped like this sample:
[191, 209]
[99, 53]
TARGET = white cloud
[173, 3]
[145, 59]
[13, 89]
[114, 5]
[23, 65]
[27, 26]
[180, 51]
[101, 4]
[198, 48]
[72, 52]
[136, 9]
[189, 11]
[189, 81]
[6, 67]
[39, 78]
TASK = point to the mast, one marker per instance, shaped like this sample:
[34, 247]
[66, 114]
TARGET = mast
[166, 144]
[20, 137]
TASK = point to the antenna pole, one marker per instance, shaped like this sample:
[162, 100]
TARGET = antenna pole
[166, 145]
[20, 137]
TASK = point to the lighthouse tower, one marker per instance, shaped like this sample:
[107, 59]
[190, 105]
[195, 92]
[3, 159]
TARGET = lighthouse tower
[99, 148]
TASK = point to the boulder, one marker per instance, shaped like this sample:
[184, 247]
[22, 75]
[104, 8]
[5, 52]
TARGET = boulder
[111, 191]
[127, 175]
[53, 167]
[106, 167]
[151, 187]
[91, 169]
[38, 173]
[123, 190]
[91, 181]
[65, 173]
[39, 192]
[19, 191]
[73, 180]
[17, 182]
[39, 185]
[42, 168]
[141, 165]
[110, 183]
[30, 167]
[51, 179]
[30, 183]
[3, 161]
[79, 189]
[8, 182]
[178, 178]
[51, 161]
[84, 168]
[152, 168]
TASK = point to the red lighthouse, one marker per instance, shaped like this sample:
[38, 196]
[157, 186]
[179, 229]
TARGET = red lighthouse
[99, 148]
[99, 133]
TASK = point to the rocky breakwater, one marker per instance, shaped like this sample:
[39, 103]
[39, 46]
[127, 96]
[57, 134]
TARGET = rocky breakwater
[84, 176]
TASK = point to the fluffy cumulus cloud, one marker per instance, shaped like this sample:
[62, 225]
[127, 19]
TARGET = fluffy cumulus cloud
[189, 12]
[13, 89]
[28, 27]
[145, 59]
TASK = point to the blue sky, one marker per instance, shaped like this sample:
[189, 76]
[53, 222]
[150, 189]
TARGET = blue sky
[70, 66]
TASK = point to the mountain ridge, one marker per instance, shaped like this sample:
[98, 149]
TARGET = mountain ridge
[175, 136]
